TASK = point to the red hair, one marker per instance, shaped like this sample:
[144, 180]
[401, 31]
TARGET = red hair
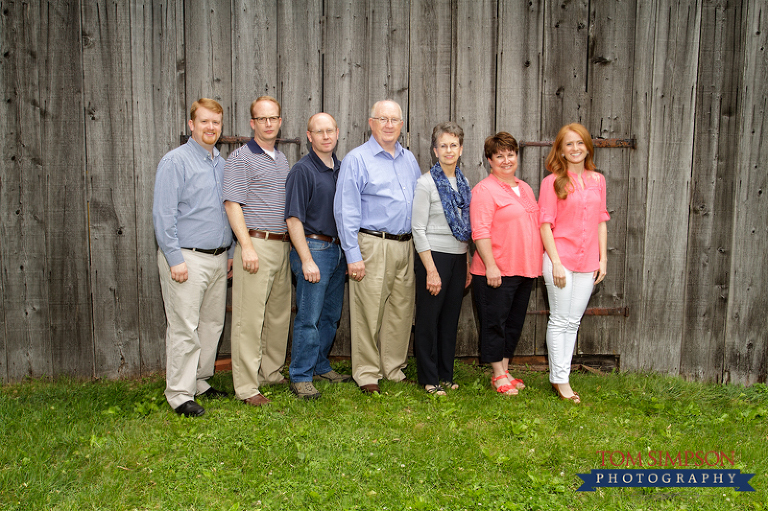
[557, 164]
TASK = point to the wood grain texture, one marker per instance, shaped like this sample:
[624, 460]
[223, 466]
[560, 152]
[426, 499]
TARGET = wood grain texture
[746, 349]
[23, 197]
[610, 61]
[253, 59]
[299, 66]
[111, 172]
[67, 220]
[344, 76]
[157, 121]
[671, 92]
[431, 73]
[210, 29]
[710, 220]
[518, 112]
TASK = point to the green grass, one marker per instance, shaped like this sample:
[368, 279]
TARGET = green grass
[118, 445]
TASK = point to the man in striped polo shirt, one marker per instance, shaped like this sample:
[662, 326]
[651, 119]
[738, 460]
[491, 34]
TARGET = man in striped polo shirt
[254, 197]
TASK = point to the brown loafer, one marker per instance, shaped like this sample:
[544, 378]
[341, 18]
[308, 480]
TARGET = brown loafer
[256, 400]
[370, 389]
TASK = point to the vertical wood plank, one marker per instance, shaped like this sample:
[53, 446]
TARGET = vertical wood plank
[518, 111]
[23, 194]
[208, 38]
[474, 108]
[710, 223]
[431, 70]
[668, 85]
[254, 59]
[344, 74]
[111, 181]
[609, 115]
[746, 348]
[387, 54]
[299, 66]
[475, 88]
[156, 128]
[67, 215]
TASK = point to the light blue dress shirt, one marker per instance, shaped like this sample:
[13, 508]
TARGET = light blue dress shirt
[374, 191]
[188, 207]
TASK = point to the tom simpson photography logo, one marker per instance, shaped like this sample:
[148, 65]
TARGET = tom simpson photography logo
[663, 469]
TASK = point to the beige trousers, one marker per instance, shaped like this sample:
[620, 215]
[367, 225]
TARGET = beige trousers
[195, 312]
[261, 316]
[381, 310]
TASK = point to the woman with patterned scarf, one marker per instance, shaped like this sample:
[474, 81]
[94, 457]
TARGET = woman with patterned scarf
[441, 233]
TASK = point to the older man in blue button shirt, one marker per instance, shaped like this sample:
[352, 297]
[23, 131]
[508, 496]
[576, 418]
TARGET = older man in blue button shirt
[194, 257]
[372, 207]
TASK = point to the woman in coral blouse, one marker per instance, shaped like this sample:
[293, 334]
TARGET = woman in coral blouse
[575, 236]
[505, 227]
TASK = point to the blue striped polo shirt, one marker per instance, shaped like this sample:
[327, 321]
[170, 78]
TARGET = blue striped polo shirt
[257, 182]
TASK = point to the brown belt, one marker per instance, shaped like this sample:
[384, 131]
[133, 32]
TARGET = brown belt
[266, 235]
[323, 237]
[387, 236]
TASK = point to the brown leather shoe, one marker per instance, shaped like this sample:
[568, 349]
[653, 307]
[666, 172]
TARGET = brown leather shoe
[256, 400]
[370, 389]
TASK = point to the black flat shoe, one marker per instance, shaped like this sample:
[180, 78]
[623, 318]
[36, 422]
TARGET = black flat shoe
[190, 409]
[212, 393]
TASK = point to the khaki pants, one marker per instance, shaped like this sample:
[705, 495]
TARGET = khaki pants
[261, 316]
[195, 312]
[381, 310]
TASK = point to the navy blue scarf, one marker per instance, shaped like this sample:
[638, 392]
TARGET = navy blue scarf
[455, 203]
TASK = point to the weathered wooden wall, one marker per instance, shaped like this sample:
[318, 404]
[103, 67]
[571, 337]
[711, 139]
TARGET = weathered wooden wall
[94, 92]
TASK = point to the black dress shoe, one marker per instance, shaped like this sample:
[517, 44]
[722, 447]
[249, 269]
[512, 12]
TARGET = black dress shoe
[212, 393]
[190, 409]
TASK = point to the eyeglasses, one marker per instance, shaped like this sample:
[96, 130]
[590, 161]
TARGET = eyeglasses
[386, 120]
[320, 133]
[263, 120]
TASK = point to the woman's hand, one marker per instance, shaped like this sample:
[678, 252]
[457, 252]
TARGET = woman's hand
[600, 273]
[558, 274]
[433, 282]
[493, 276]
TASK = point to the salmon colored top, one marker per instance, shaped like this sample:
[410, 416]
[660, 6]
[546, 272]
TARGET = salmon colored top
[512, 224]
[575, 219]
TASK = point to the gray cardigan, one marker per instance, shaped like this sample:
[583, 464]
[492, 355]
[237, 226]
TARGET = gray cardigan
[428, 224]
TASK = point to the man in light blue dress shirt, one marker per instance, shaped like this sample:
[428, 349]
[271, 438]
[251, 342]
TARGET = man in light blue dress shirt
[194, 257]
[372, 208]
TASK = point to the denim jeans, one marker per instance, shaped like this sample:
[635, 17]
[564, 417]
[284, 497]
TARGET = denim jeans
[318, 310]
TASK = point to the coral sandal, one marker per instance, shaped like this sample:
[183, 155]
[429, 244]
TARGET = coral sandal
[508, 390]
[517, 382]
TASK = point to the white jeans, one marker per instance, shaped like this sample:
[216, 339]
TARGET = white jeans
[566, 307]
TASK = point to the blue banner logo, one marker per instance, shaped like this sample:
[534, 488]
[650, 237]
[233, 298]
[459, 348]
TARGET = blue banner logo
[599, 478]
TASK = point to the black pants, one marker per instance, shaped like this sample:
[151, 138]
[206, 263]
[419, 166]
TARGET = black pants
[437, 317]
[501, 313]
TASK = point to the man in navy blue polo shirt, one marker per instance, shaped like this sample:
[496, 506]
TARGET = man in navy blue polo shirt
[316, 258]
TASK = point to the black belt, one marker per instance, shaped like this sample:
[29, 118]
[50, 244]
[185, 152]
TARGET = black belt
[209, 251]
[385, 235]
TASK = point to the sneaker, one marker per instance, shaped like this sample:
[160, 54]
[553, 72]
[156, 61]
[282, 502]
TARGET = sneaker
[333, 377]
[305, 390]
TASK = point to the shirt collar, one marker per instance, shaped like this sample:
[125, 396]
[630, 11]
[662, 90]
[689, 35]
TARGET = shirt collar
[320, 164]
[376, 148]
[200, 150]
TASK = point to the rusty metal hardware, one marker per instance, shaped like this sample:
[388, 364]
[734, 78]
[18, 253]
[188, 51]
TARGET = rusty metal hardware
[593, 311]
[610, 143]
